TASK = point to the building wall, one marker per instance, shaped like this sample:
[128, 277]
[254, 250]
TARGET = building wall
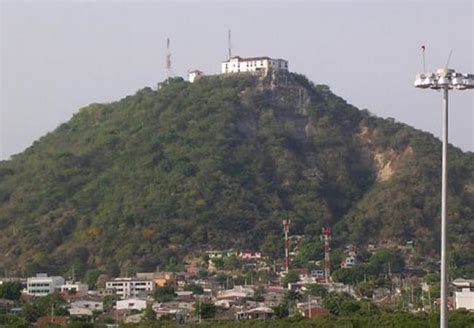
[130, 288]
[464, 299]
[43, 285]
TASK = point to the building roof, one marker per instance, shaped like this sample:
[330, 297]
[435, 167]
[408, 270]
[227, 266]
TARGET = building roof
[252, 58]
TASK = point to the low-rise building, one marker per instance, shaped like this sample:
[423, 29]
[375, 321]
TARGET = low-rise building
[130, 287]
[262, 313]
[464, 294]
[253, 64]
[42, 285]
[194, 74]
[348, 262]
[85, 307]
[250, 255]
[131, 304]
[74, 287]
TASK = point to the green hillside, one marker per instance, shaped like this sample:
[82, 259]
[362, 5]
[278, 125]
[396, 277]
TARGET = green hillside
[219, 163]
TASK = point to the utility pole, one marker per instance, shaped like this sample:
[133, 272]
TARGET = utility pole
[286, 229]
[327, 233]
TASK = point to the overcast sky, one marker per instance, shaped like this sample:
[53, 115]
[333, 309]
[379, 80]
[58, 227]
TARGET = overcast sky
[57, 57]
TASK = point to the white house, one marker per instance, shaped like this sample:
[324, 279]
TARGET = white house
[464, 294]
[253, 64]
[85, 307]
[131, 304]
[42, 285]
[194, 74]
[130, 287]
[74, 287]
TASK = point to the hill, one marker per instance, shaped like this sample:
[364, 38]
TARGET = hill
[219, 163]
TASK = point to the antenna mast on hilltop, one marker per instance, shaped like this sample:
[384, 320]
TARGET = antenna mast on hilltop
[229, 41]
[168, 59]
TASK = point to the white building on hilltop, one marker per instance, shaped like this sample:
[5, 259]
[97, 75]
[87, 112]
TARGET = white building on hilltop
[42, 285]
[253, 64]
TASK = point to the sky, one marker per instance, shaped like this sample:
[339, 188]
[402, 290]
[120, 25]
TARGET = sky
[57, 57]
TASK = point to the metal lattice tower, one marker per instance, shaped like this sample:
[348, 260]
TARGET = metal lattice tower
[168, 59]
[229, 42]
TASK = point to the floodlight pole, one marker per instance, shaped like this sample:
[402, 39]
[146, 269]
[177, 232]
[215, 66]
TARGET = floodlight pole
[444, 79]
[444, 185]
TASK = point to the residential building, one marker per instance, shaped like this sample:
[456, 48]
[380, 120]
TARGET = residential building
[130, 287]
[74, 287]
[348, 262]
[161, 279]
[85, 307]
[194, 74]
[464, 294]
[253, 64]
[250, 255]
[131, 304]
[42, 285]
[262, 312]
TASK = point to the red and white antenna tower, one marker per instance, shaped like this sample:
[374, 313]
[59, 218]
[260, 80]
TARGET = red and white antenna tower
[286, 229]
[327, 233]
[168, 59]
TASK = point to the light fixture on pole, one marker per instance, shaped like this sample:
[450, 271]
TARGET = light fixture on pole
[444, 79]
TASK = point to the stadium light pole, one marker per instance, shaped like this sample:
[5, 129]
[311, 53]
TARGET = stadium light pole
[444, 79]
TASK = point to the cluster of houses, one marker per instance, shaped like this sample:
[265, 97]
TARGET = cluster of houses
[125, 299]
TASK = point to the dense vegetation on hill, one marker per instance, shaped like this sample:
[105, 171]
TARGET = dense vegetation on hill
[219, 163]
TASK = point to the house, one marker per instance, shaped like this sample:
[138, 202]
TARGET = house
[253, 64]
[464, 294]
[348, 262]
[314, 312]
[161, 279]
[250, 255]
[130, 287]
[85, 307]
[185, 296]
[131, 304]
[74, 287]
[194, 74]
[262, 312]
[42, 285]
[237, 293]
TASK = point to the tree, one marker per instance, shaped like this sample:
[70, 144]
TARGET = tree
[149, 316]
[339, 303]
[205, 310]
[232, 263]
[365, 289]
[196, 289]
[10, 290]
[164, 294]
[290, 277]
[317, 290]
[281, 311]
